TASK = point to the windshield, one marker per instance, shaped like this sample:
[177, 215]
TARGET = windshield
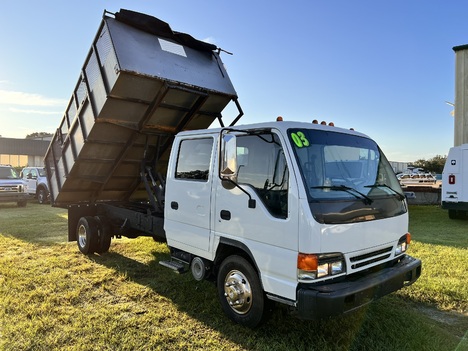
[339, 167]
[8, 173]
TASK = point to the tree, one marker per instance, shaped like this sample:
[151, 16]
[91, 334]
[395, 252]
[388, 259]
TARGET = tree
[433, 165]
[421, 163]
[436, 164]
[38, 135]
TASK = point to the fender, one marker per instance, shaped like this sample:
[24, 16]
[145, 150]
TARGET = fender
[238, 245]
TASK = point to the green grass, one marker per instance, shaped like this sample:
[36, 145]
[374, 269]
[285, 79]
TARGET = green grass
[54, 298]
[442, 244]
[431, 225]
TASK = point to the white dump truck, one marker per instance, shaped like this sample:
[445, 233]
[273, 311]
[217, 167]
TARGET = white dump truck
[303, 214]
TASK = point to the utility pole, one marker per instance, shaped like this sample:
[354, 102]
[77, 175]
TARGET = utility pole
[461, 95]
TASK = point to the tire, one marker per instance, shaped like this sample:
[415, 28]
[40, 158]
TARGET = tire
[104, 234]
[240, 292]
[22, 203]
[457, 214]
[87, 235]
[42, 195]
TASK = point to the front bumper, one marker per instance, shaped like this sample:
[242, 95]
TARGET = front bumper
[13, 197]
[315, 302]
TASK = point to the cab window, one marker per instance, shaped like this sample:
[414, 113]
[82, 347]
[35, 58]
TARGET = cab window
[262, 165]
[194, 159]
[31, 174]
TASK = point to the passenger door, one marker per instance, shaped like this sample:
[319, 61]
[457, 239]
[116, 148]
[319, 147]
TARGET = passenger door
[30, 176]
[188, 194]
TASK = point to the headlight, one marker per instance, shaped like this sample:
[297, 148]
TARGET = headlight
[313, 266]
[403, 244]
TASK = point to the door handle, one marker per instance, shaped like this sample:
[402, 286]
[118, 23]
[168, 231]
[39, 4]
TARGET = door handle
[174, 205]
[225, 214]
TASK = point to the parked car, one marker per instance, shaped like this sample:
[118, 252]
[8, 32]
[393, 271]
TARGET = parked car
[36, 183]
[12, 187]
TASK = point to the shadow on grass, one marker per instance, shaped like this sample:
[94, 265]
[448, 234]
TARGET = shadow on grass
[35, 223]
[382, 325]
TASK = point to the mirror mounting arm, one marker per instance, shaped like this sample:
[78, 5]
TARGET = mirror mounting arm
[252, 202]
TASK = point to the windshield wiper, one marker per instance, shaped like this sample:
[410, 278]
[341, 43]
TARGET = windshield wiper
[357, 194]
[400, 196]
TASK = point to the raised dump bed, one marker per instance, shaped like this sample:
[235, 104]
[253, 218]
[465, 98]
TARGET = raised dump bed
[141, 83]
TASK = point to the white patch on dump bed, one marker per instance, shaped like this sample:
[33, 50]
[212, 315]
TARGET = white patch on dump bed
[172, 47]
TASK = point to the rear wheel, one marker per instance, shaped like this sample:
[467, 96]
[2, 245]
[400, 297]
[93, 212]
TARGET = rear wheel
[457, 214]
[240, 292]
[87, 235]
[104, 234]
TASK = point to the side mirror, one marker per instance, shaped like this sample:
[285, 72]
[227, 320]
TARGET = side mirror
[228, 165]
[228, 158]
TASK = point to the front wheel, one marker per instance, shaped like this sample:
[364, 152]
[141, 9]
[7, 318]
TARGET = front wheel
[42, 196]
[22, 203]
[240, 292]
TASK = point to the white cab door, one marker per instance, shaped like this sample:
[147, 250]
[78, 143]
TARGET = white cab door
[270, 230]
[188, 196]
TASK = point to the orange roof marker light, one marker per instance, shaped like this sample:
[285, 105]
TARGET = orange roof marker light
[323, 123]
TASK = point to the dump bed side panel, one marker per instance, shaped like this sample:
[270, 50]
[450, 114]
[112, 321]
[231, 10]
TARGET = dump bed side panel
[135, 92]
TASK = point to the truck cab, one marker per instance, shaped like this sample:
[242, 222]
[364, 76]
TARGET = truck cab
[303, 214]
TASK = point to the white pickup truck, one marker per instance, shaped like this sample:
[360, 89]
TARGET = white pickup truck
[12, 187]
[36, 183]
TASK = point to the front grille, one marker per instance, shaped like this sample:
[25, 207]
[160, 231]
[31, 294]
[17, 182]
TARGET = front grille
[9, 189]
[370, 258]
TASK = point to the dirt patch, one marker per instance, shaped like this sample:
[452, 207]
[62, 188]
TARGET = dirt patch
[446, 317]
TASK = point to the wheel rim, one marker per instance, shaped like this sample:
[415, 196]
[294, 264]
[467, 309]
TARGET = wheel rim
[41, 196]
[82, 236]
[238, 292]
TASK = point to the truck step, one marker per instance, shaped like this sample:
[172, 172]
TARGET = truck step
[177, 266]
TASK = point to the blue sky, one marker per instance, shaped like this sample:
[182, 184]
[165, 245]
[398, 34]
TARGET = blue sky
[385, 68]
